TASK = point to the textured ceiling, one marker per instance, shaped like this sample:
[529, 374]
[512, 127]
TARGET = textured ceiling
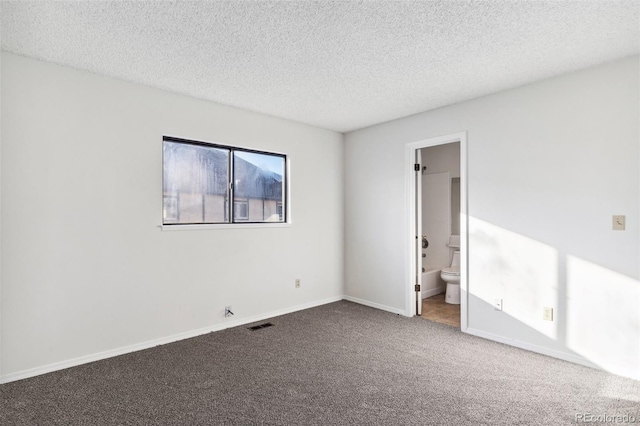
[337, 65]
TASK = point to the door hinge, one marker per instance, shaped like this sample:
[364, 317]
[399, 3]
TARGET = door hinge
[417, 287]
[416, 167]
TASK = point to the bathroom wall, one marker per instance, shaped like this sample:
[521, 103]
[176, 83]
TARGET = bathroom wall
[549, 163]
[436, 218]
[442, 163]
[88, 273]
[436, 222]
[442, 158]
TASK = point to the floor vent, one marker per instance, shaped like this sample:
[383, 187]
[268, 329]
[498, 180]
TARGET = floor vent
[258, 327]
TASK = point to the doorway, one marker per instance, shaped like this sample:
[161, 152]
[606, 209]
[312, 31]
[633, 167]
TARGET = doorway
[416, 290]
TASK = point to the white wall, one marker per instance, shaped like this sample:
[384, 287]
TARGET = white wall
[87, 270]
[548, 164]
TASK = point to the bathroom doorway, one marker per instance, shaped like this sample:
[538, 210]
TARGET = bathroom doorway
[440, 202]
[438, 229]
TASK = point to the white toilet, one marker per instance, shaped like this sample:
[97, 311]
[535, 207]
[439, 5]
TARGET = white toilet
[451, 276]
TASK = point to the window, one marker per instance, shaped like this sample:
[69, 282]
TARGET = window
[241, 210]
[199, 180]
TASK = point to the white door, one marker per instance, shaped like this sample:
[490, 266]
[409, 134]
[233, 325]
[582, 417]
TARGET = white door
[418, 219]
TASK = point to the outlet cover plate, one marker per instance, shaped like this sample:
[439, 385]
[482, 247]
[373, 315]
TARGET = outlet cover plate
[497, 304]
[547, 313]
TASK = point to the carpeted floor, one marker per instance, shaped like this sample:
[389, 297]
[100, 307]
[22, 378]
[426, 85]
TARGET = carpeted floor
[338, 364]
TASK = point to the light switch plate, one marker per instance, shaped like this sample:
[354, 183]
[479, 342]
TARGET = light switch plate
[618, 222]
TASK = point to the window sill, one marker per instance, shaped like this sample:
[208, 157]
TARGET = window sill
[224, 226]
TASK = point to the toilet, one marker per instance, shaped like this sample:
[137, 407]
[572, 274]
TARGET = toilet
[451, 276]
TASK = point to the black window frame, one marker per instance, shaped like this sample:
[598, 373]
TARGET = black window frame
[231, 201]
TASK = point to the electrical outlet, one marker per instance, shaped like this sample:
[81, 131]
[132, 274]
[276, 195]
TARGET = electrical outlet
[297, 282]
[228, 311]
[547, 313]
[497, 304]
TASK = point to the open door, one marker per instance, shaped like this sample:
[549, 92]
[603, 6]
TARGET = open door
[414, 212]
[418, 219]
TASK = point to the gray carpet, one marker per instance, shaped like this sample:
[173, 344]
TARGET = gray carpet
[338, 364]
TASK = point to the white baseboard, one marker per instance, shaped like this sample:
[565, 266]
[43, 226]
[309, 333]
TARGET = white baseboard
[532, 348]
[36, 371]
[432, 292]
[376, 305]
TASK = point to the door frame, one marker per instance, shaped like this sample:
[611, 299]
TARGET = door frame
[410, 219]
[418, 230]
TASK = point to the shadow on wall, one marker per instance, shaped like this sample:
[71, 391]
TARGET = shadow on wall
[595, 309]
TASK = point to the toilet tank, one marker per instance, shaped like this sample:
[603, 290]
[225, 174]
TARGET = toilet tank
[455, 261]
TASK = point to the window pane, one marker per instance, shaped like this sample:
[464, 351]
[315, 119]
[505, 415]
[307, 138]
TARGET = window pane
[195, 183]
[240, 210]
[258, 185]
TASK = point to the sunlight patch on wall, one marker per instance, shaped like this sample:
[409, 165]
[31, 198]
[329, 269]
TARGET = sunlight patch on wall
[603, 318]
[519, 270]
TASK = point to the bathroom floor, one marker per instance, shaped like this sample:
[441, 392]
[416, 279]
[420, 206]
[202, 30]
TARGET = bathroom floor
[435, 309]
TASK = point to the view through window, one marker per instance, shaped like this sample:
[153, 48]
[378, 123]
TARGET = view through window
[208, 183]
